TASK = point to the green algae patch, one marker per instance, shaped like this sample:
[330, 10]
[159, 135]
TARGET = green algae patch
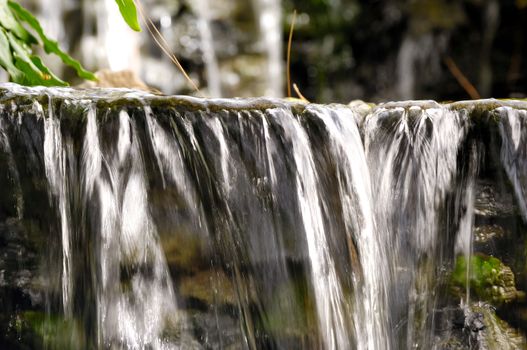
[55, 332]
[293, 311]
[488, 278]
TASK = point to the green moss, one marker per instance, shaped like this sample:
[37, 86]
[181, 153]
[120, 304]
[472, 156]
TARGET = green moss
[56, 332]
[293, 312]
[489, 279]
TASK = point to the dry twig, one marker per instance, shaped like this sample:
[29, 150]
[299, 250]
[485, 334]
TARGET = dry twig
[289, 44]
[299, 94]
[462, 79]
[163, 44]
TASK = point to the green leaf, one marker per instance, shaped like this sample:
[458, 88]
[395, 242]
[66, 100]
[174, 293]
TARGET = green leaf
[20, 48]
[30, 77]
[7, 59]
[34, 77]
[36, 73]
[50, 46]
[9, 22]
[48, 74]
[129, 13]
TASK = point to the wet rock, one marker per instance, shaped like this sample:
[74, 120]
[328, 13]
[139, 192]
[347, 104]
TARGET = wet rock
[475, 323]
[53, 331]
[491, 202]
[176, 331]
[488, 233]
[476, 326]
[489, 331]
[206, 325]
[452, 344]
[120, 79]
[18, 262]
[183, 252]
[212, 287]
[452, 335]
[362, 108]
[293, 313]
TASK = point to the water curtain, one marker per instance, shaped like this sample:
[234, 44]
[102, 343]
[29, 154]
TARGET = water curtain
[135, 221]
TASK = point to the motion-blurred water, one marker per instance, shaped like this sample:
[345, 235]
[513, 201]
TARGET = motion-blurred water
[132, 221]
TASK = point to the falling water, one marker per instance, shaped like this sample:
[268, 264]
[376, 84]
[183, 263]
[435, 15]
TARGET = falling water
[188, 223]
[269, 14]
[330, 301]
[55, 153]
[410, 148]
[355, 196]
[207, 46]
[513, 151]
[134, 298]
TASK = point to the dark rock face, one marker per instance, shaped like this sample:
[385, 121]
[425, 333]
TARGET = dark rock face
[132, 220]
[490, 202]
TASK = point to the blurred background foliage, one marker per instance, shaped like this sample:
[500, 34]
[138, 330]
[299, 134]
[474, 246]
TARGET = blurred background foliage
[396, 49]
[342, 49]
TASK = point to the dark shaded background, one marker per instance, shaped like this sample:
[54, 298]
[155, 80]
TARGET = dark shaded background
[342, 49]
[396, 49]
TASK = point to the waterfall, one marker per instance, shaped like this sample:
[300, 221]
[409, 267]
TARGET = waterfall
[207, 47]
[136, 312]
[269, 14]
[354, 190]
[177, 222]
[412, 155]
[513, 149]
[330, 301]
[55, 159]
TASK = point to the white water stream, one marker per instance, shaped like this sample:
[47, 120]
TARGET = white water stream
[261, 223]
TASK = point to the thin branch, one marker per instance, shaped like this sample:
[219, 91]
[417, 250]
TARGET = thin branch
[299, 94]
[462, 79]
[163, 44]
[289, 44]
